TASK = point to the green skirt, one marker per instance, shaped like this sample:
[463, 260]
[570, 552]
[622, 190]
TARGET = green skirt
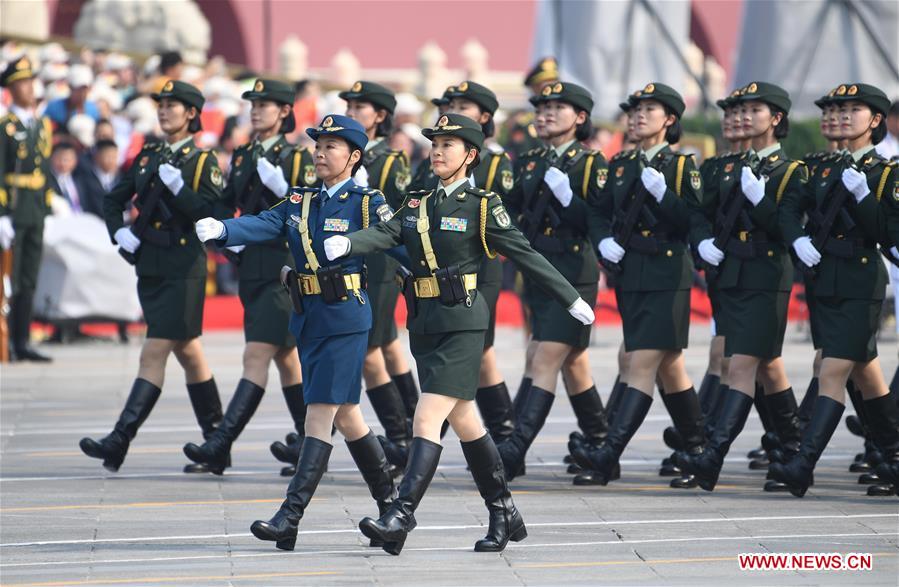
[756, 321]
[551, 322]
[266, 313]
[847, 328]
[448, 363]
[173, 308]
[655, 320]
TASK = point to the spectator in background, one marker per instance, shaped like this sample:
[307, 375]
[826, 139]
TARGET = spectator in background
[103, 130]
[63, 181]
[888, 148]
[62, 109]
[98, 176]
[81, 129]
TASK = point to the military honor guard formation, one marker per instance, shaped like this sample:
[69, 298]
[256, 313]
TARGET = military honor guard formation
[326, 240]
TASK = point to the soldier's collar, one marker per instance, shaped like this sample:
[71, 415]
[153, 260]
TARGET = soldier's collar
[176, 147]
[655, 150]
[453, 187]
[336, 188]
[24, 115]
[859, 155]
[373, 143]
[270, 142]
[562, 149]
[769, 151]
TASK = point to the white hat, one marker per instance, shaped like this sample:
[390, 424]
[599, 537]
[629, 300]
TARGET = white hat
[53, 53]
[81, 126]
[80, 76]
[407, 103]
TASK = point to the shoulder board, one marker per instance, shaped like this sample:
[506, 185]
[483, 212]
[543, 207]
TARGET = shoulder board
[534, 152]
[304, 189]
[495, 149]
[365, 190]
[418, 193]
[621, 155]
[479, 192]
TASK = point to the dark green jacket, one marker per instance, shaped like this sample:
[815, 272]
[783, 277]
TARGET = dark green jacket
[456, 237]
[197, 199]
[671, 268]
[494, 173]
[25, 170]
[388, 172]
[863, 276]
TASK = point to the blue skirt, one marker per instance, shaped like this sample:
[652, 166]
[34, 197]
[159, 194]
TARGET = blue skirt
[332, 368]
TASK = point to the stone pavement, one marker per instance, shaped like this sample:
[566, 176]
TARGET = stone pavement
[66, 521]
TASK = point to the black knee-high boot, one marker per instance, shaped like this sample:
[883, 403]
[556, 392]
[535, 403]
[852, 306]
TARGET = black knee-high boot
[529, 422]
[487, 471]
[808, 402]
[592, 421]
[113, 447]
[283, 526]
[717, 403]
[496, 410]
[707, 466]
[883, 422]
[393, 527]
[523, 388]
[759, 457]
[391, 413]
[858, 424]
[207, 405]
[785, 419]
[368, 454]
[707, 390]
[215, 453]
[289, 450]
[686, 413]
[405, 383]
[797, 473]
[602, 462]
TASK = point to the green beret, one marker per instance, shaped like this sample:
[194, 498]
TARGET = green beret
[457, 125]
[269, 89]
[181, 91]
[874, 97]
[375, 94]
[546, 70]
[663, 94]
[480, 95]
[565, 92]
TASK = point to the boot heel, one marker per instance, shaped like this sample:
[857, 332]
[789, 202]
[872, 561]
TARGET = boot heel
[394, 548]
[520, 534]
[287, 543]
[376, 543]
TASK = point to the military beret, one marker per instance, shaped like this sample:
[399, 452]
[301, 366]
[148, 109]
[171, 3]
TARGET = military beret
[338, 125]
[444, 99]
[181, 91]
[865, 93]
[269, 89]
[457, 125]
[17, 69]
[376, 94]
[826, 99]
[663, 94]
[768, 93]
[480, 95]
[546, 70]
[565, 92]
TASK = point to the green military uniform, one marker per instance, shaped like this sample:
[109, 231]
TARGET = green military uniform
[455, 230]
[656, 270]
[265, 302]
[388, 172]
[850, 281]
[25, 197]
[559, 233]
[171, 261]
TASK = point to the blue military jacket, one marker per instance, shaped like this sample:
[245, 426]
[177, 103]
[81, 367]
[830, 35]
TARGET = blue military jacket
[351, 208]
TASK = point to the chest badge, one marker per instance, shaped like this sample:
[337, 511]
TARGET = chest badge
[619, 172]
[728, 168]
[309, 174]
[453, 224]
[602, 176]
[296, 198]
[531, 165]
[336, 225]
[413, 203]
[825, 173]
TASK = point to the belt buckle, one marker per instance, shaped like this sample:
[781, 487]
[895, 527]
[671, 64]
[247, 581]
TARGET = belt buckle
[424, 289]
[646, 233]
[744, 236]
[548, 231]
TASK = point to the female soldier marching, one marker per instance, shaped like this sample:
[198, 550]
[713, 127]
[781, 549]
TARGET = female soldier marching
[652, 197]
[261, 172]
[448, 232]
[851, 208]
[331, 315]
[177, 184]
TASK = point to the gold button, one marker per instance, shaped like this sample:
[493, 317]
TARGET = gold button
[770, 253]
[422, 263]
[576, 248]
[38, 160]
[669, 252]
[306, 266]
[183, 241]
[864, 260]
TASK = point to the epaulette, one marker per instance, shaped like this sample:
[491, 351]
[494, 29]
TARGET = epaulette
[495, 148]
[535, 152]
[303, 188]
[479, 192]
[621, 155]
[365, 190]
[418, 192]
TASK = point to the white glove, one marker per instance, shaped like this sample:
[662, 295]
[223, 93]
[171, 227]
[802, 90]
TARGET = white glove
[611, 250]
[126, 239]
[654, 182]
[857, 183]
[236, 249]
[171, 177]
[895, 252]
[209, 229]
[361, 177]
[806, 251]
[558, 183]
[336, 247]
[753, 187]
[710, 253]
[272, 177]
[7, 232]
[582, 312]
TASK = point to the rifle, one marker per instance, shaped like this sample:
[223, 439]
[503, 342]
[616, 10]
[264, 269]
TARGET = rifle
[629, 222]
[533, 217]
[149, 203]
[736, 204]
[837, 196]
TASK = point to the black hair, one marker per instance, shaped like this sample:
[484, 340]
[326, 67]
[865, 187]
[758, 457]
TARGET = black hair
[168, 60]
[783, 127]
[105, 144]
[489, 127]
[64, 145]
[102, 121]
[879, 132]
[894, 109]
[228, 129]
[672, 133]
[289, 124]
[385, 126]
[194, 126]
[584, 130]
[477, 157]
[361, 157]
